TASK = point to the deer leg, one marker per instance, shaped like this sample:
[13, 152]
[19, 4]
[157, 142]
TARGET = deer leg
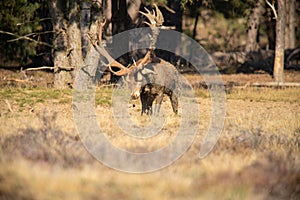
[158, 101]
[144, 104]
[149, 107]
[174, 102]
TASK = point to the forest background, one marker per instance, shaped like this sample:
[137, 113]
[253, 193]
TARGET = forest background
[239, 35]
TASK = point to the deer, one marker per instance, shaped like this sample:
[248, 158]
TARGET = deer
[150, 78]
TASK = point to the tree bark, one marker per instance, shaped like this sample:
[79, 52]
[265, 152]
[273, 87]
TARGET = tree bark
[253, 26]
[279, 48]
[107, 13]
[84, 26]
[67, 41]
[74, 36]
[60, 42]
[290, 37]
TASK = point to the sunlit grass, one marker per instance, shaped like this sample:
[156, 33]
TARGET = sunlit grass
[257, 94]
[266, 94]
[32, 96]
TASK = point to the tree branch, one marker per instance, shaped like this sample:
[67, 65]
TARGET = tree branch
[26, 38]
[30, 34]
[272, 6]
[40, 20]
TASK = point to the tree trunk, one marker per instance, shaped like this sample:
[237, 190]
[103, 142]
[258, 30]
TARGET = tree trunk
[67, 43]
[120, 17]
[195, 26]
[253, 26]
[74, 37]
[60, 42]
[279, 48]
[107, 13]
[84, 26]
[133, 10]
[290, 37]
[176, 17]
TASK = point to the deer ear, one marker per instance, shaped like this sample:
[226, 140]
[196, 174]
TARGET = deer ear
[147, 71]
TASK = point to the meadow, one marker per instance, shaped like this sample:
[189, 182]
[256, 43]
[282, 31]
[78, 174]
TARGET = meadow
[256, 157]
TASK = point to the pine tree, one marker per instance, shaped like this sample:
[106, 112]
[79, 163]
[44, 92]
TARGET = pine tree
[18, 18]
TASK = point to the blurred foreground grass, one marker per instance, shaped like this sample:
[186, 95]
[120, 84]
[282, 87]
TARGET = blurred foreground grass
[256, 157]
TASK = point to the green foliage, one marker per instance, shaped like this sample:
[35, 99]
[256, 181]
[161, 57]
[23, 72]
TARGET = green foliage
[158, 2]
[20, 18]
[232, 8]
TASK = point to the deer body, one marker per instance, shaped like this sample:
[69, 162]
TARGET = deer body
[151, 83]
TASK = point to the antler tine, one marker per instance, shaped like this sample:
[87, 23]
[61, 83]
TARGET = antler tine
[150, 16]
[155, 17]
[123, 70]
[113, 63]
[159, 16]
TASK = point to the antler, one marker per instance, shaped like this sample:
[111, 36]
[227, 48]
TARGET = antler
[112, 62]
[155, 17]
[124, 70]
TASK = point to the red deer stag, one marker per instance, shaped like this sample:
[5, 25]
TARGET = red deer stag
[150, 77]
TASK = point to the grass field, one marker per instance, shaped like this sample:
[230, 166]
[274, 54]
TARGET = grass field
[256, 157]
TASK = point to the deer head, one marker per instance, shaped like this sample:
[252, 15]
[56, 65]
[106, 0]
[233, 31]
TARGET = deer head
[156, 20]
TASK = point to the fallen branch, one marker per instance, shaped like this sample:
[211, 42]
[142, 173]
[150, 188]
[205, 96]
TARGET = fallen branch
[238, 85]
[15, 80]
[275, 84]
[39, 68]
[51, 68]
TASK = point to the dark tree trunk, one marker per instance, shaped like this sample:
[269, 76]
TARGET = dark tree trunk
[133, 10]
[195, 26]
[120, 22]
[84, 26]
[120, 18]
[253, 26]
[176, 17]
[271, 28]
[173, 19]
[279, 49]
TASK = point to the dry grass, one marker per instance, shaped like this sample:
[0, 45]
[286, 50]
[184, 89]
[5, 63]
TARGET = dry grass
[256, 157]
